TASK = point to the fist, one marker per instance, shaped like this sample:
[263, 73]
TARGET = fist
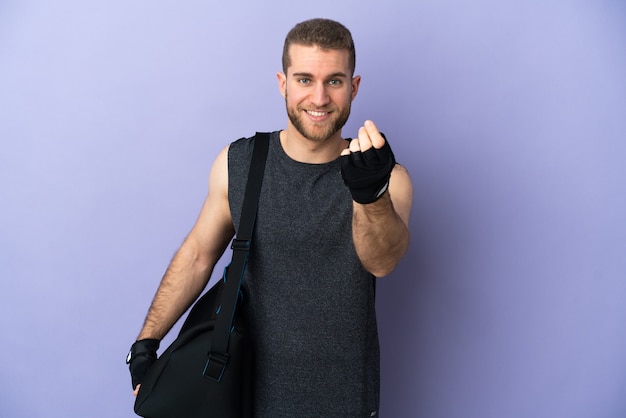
[366, 165]
[142, 355]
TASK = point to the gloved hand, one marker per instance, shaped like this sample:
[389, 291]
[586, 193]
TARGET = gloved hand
[142, 355]
[366, 173]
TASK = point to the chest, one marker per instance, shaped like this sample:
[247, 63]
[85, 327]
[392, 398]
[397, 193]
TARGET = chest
[304, 205]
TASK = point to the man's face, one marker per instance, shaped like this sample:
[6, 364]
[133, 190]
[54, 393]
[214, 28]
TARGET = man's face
[318, 90]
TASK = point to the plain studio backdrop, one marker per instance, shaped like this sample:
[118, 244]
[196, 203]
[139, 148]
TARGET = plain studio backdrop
[509, 115]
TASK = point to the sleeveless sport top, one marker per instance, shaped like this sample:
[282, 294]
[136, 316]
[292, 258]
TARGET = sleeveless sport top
[308, 300]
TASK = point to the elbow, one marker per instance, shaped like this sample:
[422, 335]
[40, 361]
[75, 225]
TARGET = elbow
[379, 274]
[384, 267]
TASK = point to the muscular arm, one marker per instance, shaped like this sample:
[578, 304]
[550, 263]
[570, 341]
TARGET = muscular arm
[380, 229]
[191, 267]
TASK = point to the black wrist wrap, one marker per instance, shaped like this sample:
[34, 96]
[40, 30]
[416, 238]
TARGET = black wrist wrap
[367, 173]
[143, 354]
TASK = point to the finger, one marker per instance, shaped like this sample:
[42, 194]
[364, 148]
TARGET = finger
[355, 145]
[374, 135]
[365, 142]
[136, 391]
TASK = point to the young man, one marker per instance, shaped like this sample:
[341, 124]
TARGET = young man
[333, 215]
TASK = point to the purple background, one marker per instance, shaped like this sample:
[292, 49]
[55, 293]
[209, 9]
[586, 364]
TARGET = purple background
[510, 116]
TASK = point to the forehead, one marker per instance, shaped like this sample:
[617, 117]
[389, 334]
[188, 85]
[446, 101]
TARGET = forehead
[318, 61]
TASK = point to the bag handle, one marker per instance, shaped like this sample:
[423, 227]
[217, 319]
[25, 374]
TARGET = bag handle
[218, 351]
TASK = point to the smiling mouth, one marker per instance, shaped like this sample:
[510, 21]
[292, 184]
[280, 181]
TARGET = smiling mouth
[316, 113]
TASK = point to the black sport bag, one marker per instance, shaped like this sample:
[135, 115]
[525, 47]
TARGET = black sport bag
[178, 385]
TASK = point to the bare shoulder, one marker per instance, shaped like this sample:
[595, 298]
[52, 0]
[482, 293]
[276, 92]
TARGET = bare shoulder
[401, 191]
[217, 197]
[214, 226]
[218, 178]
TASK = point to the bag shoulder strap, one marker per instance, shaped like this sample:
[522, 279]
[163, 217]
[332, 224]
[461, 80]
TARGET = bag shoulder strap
[253, 189]
[218, 352]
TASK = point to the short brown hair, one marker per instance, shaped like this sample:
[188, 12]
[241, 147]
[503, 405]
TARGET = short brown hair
[324, 33]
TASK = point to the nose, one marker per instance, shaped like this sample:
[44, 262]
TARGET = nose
[319, 96]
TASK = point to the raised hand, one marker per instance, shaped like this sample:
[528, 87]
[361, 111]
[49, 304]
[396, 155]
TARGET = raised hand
[366, 164]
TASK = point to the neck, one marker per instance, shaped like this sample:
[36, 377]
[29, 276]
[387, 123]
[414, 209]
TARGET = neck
[304, 150]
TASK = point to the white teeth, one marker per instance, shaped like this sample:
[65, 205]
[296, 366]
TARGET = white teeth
[313, 113]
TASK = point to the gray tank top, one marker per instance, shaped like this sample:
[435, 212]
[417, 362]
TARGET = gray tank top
[308, 300]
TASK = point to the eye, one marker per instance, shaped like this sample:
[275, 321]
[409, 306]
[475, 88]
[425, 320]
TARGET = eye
[335, 82]
[304, 80]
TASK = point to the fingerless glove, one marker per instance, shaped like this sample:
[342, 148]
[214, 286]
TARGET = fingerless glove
[367, 173]
[142, 355]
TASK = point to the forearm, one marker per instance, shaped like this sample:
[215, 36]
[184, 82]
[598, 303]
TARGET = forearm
[381, 237]
[184, 280]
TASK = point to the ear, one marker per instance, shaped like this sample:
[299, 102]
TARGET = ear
[356, 82]
[282, 83]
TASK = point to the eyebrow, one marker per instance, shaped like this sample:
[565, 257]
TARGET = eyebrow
[309, 75]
